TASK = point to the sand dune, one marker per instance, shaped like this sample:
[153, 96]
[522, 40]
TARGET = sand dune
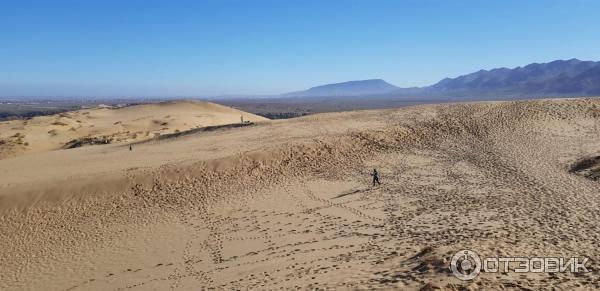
[112, 125]
[288, 203]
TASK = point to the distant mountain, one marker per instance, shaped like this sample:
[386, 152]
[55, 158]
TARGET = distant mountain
[562, 77]
[558, 78]
[352, 88]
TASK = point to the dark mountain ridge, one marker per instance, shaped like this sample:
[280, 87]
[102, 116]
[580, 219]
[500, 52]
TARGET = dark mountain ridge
[555, 78]
[558, 78]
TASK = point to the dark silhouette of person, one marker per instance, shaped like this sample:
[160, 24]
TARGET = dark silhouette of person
[375, 177]
[130, 148]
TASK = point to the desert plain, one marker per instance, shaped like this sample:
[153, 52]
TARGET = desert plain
[199, 203]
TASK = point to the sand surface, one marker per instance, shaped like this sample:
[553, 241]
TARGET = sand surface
[288, 203]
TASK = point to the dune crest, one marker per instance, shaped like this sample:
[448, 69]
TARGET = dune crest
[106, 125]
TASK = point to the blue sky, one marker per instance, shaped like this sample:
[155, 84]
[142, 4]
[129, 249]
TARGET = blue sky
[200, 48]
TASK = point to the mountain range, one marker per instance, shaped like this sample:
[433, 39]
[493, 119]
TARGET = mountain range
[558, 78]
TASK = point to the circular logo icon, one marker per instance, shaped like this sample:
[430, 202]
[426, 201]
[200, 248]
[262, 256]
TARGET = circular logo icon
[465, 265]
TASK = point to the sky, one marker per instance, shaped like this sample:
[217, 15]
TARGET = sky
[128, 48]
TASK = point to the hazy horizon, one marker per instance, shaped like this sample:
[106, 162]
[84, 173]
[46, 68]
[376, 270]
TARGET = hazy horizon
[193, 49]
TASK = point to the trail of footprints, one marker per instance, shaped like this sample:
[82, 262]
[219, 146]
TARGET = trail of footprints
[263, 227]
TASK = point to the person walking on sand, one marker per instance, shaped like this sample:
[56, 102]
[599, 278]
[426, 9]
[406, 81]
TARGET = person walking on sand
[130, 148]
[375, 177]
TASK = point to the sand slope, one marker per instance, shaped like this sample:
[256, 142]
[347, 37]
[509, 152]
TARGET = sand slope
[112, 125]
[288, 204]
